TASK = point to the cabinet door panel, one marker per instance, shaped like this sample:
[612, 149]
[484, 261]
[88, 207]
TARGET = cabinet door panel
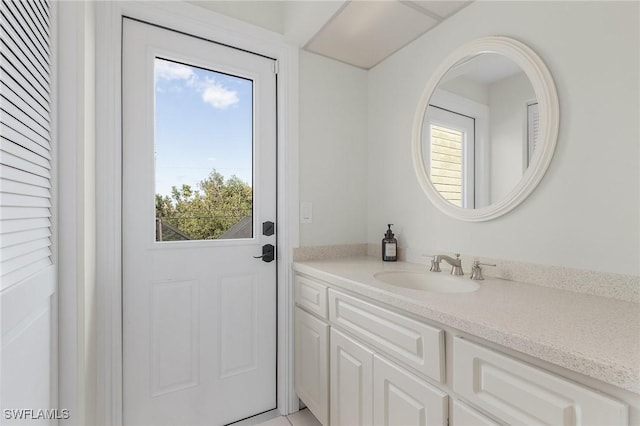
[351, 382]
[522, 394]
[399, 398]
[464, 415]
[312, 363]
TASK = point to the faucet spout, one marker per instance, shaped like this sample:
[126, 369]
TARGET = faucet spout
[456, 264]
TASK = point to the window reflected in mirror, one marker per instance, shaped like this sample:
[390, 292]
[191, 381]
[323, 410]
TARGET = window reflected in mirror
[488, 103]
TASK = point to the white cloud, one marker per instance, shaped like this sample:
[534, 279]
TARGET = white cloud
[167, 70]
[211, 91]
[218, 96]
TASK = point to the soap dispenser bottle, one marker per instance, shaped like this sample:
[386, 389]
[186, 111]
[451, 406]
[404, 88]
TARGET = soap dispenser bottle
[389, 246]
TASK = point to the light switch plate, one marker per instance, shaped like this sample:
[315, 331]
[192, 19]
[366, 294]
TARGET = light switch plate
[306, 212]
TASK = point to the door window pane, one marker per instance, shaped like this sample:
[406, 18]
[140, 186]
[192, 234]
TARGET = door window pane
[446, 163]
[203, 153]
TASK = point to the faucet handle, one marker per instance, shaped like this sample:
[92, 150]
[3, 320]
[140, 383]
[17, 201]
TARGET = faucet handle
[435, 265]
[476, 270]
[477, 263]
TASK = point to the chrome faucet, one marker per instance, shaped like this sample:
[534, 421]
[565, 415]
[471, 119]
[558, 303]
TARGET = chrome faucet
[456, 264]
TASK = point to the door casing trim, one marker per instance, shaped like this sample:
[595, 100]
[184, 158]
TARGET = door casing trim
[218, 28]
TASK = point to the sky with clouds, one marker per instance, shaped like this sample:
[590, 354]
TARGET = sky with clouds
[203, 122]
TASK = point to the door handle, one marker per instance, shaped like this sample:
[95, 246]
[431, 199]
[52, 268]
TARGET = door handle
[268, 253]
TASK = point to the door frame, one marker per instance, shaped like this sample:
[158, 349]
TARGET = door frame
[196, 21]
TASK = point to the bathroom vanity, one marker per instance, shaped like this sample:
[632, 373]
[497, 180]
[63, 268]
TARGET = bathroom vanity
[370, 353]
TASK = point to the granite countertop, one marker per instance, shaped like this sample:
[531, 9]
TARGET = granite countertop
[595, 336]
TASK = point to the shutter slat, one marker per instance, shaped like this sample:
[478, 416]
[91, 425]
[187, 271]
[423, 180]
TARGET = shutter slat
[13, 238]
[18, 33]
[23, 249]
[12, 103]
[13, 187]
[24, 165]
[20, 97]
[19, 151]
[21, 176]
[15, 138]
[36, 17]
[25, 272]
[17, 80]
[9, 213]
[27, 70]
[17, 200]
[35, 36]
[18, 225]
[14, 264]
[14, 43]
[22, 129]
[24, 118]
[44, 9]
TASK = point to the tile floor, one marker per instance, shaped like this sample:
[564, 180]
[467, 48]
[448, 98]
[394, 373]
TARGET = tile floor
[273, 418]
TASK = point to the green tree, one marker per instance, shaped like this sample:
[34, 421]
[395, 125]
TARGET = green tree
[206, 212]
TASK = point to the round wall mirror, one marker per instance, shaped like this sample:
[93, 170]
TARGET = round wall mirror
[485, 129]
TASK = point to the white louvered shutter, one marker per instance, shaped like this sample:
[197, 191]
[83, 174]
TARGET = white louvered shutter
[25, 140]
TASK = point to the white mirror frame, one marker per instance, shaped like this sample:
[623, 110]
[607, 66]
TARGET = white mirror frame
[547, 97]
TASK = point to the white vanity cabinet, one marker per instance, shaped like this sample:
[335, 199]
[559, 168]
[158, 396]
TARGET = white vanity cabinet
[359, 363]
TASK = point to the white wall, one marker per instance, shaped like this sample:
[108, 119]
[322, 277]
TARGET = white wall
[584, 214]
[333, 150]
[508, 104]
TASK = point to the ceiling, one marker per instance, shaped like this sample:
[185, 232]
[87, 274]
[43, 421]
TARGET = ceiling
[358, 32]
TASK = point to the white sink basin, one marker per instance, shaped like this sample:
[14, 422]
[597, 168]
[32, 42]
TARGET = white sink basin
[427, 281]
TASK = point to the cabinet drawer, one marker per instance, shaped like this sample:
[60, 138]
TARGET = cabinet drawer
[417, 345]
[311, 295]
[519, 393]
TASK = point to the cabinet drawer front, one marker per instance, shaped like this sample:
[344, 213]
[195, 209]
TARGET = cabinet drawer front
[418, 345]
[311, 295]
[519, 393]
[312, 363]
[400, 398]
[464, 415]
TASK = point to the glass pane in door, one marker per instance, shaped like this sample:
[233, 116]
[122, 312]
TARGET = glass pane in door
[446, 162]
[203, 153]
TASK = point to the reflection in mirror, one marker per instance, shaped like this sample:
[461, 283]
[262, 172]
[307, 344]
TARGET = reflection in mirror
[480, 130]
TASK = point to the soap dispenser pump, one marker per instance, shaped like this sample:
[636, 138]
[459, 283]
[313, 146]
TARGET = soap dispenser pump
[389, 246]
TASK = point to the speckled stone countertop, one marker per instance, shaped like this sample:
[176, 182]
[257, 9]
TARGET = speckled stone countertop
[595, 336]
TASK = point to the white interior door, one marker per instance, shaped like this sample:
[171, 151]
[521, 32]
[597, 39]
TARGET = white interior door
[199, 311]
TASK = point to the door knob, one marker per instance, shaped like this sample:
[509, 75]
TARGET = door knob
[268, 253]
